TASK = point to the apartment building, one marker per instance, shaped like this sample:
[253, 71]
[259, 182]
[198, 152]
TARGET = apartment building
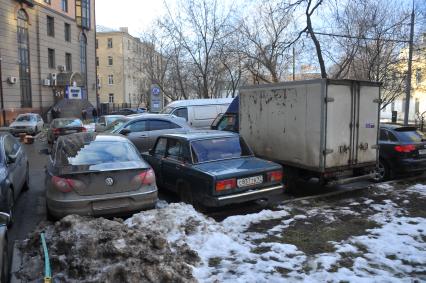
[120, 65]
[47, 51]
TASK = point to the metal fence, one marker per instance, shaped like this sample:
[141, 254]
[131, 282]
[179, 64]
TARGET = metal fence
[108, 108]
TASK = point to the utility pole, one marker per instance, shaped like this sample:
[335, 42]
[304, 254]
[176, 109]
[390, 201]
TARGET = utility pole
[410, 58]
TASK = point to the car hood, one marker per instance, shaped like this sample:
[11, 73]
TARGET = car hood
[236, 167]
[112, 166]
[23, 123]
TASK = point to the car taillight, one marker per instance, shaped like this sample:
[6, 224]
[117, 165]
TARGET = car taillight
[56, 131]
[226, 184]
[83, 129]
[146, 178]
[66, 185]
[405, 148]
[275, 176]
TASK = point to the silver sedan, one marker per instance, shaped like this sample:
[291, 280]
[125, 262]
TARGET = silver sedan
[97, 174]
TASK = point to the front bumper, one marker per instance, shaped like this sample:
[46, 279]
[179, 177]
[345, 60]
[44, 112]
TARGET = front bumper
[27, 130]
[246, 196]
[103, 205]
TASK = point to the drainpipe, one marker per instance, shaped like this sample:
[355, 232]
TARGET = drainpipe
[1, 95]
[38, 60]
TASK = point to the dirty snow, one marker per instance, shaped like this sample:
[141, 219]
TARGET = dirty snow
[388, 244]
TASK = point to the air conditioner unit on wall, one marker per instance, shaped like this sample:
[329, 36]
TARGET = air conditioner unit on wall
[45, 82]
[12, 80]
[62, 68]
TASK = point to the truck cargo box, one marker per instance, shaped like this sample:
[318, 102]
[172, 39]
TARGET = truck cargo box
[320, 125]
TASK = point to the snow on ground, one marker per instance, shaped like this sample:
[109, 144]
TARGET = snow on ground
[388, 247]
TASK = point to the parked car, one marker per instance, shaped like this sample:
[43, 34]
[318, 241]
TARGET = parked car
[402, 150]
[29, 123]
[14, 168]
[143, 130]
[106, 120]
[97, 174]
[228, 121]
[4, 259]
[199, 113]
[212, 168]
[129, 111]
[64, 126]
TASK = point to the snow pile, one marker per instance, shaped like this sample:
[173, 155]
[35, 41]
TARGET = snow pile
[100, 250]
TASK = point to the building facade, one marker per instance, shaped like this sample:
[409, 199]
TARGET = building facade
[47, 47]
[122, 77]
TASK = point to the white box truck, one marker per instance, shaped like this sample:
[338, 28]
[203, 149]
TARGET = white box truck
[322, 128]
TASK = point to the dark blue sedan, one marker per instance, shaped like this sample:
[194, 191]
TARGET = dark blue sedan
[212, 168]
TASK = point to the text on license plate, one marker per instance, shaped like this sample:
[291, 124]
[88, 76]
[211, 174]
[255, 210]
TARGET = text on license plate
[250, 181]
[422, 151]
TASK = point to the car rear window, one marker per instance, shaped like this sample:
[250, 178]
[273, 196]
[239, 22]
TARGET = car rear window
[70, 152]
[410, 136]
[67, 123]
[115, 125]
[218, 149]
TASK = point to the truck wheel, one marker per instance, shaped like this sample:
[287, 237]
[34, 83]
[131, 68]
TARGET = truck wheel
[290, 179]
[49, 216]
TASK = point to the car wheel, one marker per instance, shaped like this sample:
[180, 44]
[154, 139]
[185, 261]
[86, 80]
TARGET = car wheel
[186, 196]
[10, 206]
[383, 172]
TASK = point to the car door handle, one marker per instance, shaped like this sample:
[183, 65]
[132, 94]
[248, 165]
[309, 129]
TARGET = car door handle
[143, 136]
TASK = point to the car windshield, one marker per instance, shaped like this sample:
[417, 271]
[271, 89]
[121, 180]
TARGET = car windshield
[410, 135]
[111, 128]
[26, 118]
[109, 120]
[61, 123]
[167, 110]
[74, 153]
[219, 149]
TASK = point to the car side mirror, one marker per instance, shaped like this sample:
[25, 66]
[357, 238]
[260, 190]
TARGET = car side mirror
[45, 151]
[125, 132]
[151, 151]
[4, 218]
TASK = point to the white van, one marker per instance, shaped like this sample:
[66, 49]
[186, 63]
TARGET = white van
[199, 113]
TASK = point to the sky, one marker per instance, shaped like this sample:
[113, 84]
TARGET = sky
[134, 14]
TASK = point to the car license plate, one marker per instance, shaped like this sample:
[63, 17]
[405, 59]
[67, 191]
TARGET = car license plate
[422, 151]
[250, 181]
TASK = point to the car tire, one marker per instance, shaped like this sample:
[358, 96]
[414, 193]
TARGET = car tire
[10, 206]
[383, 172]
[5, 267]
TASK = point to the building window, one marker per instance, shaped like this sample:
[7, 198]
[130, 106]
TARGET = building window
[68, 62]
[83, 57]
[24, 59]
[64, 5]
[419, 76]
[98, 82]
[82, 13]
[51, 58]
[50, 26]
[128, 44]
[67, 28]
[109, 42]
[97, 61]
[110, 79]
[96, 44]
[111, 98]
[109, 60]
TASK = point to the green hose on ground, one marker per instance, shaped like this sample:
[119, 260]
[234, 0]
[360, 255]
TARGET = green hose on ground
[47, 270]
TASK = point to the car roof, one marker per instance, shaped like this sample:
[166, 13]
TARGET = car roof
[62, 119]
[192, 102]
[113, 115]
[394, 126]
[198, 135]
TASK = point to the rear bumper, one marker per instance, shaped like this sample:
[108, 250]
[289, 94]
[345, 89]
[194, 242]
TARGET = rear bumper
[15, 131]
[409, 165]
[243, 196]
[103, 205]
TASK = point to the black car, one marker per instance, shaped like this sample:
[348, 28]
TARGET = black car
[402, 150]
[14, 168]
[212, 168]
